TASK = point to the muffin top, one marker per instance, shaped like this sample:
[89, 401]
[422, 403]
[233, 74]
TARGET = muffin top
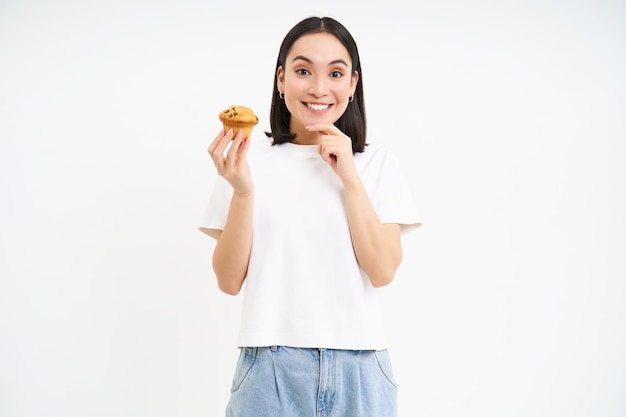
[238, 115]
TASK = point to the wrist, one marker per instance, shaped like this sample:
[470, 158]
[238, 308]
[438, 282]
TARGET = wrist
[352, 181]
[243, 194]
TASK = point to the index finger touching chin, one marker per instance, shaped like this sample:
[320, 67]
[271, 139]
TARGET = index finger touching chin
[321, 128]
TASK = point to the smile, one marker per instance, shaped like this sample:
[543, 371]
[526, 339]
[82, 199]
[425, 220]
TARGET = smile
[317, 106]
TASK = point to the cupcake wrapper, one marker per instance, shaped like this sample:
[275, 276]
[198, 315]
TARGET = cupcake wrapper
[247, 130]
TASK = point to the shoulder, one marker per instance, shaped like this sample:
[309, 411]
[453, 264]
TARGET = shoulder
[375, 155]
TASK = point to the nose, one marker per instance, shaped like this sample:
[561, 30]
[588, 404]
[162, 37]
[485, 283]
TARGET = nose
[318, 86]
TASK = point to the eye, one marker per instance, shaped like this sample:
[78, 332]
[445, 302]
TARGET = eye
[302, 71]
[336, 74]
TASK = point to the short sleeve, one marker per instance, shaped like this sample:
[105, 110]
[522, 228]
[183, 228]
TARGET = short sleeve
[216, 210]
[391, 193]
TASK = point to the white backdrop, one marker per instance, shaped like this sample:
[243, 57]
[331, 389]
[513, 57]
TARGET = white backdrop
[508, 118]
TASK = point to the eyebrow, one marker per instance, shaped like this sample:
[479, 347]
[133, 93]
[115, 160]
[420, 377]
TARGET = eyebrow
[336, 61]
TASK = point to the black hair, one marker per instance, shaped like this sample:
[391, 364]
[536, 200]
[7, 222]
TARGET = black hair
[352, 122]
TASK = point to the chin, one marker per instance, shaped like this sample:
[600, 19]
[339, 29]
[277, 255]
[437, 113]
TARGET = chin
[322, 120]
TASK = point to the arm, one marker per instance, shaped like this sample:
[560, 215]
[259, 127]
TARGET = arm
[377, 246]
[232, 250]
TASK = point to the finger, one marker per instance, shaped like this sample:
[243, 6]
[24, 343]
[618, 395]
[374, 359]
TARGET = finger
[218, 151]
[234, 147]
[338, 145]
[324, 128]
[243, 149]
[215, 141]
[325, 152]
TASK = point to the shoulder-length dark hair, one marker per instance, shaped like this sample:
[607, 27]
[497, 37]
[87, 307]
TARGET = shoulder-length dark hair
[352, 122]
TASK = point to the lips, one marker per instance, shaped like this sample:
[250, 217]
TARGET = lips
[318, 107]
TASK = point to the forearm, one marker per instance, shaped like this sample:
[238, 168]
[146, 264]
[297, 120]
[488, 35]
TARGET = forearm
[376, 245]
[232, 250]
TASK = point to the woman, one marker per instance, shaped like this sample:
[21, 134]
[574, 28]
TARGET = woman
[311, 221]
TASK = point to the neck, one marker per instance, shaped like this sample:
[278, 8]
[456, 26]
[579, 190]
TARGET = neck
[305, 137]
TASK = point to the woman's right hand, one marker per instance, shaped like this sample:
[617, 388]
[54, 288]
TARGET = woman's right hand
[232, 165]
[232, 250]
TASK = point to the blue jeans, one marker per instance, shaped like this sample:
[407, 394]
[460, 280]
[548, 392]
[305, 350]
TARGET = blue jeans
[295, 382]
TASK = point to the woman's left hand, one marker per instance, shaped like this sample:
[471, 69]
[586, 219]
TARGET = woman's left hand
[336, 149]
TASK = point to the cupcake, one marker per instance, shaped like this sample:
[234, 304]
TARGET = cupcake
[238, 118]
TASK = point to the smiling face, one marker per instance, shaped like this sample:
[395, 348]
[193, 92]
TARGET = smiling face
[317, 82]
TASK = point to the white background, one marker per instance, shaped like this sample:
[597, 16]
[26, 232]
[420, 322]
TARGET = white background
[508, 117]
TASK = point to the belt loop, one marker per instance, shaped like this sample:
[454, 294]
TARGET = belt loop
[273, 348]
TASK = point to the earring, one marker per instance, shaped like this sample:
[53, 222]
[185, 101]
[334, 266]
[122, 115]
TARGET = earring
[351, 99]
[281, 95]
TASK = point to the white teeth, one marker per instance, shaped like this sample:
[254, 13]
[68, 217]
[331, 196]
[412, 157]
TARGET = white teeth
[318, 106]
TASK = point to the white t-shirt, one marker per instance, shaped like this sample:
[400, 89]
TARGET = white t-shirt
[304, 287]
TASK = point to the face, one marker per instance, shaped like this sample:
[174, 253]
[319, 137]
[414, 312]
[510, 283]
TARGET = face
[316, 81]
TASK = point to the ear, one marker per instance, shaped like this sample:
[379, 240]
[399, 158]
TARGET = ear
[280, 79]
[354, 81]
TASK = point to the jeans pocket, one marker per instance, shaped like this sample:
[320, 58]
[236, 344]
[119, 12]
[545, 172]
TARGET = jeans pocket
[247, 357]
[384, 364]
